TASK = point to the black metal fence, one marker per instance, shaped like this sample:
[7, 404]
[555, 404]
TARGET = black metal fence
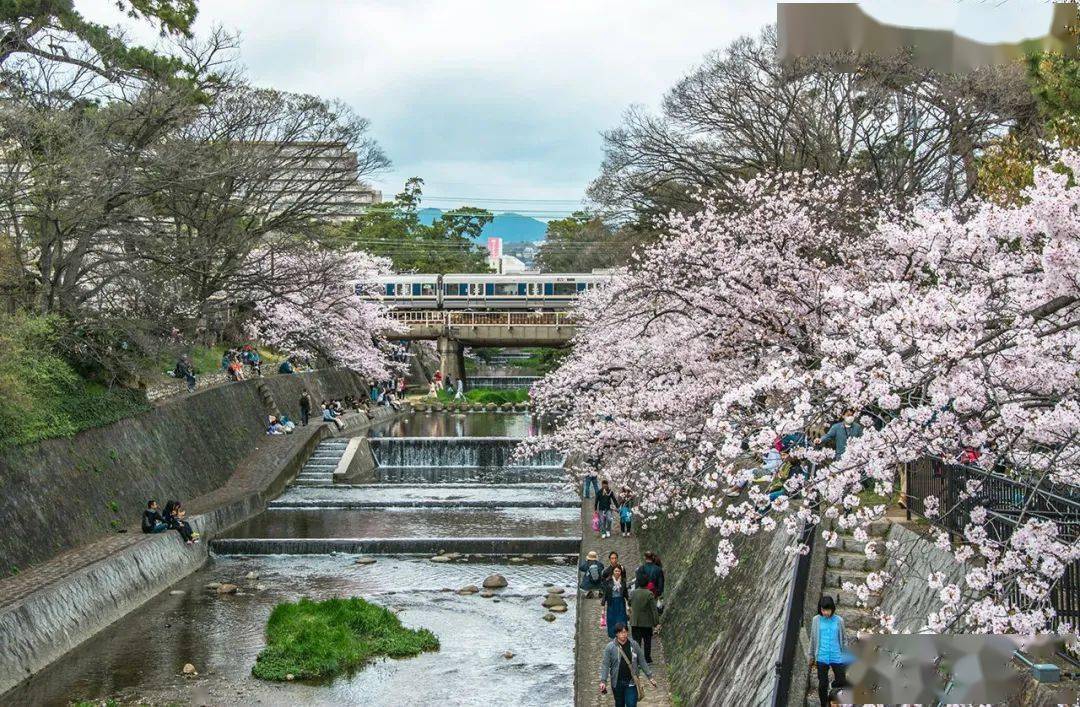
[1007, 501]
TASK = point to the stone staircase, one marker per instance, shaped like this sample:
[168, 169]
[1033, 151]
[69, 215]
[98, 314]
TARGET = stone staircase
[847, 562]
[319, 468]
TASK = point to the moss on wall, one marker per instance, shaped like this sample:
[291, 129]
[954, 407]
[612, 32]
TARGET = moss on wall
[720, 634]
[65, 492]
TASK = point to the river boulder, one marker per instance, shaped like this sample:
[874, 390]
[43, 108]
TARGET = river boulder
[495, 581]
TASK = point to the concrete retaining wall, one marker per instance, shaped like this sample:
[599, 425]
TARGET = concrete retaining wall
[40, 627]
[721, 635]
[67, 492]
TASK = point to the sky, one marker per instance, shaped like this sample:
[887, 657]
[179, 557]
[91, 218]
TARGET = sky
[501, 103]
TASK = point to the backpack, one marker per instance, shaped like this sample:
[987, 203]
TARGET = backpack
[624, 514]
[594, 572]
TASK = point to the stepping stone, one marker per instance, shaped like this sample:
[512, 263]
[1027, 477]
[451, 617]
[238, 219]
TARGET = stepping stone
[470, 589]
[365, 560]
[559, 608]
[440, 558]
[553, 600]
[495, 581]
[549, 617]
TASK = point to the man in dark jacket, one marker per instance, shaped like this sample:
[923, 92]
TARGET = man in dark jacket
[604, 505]
[305, 407]
[644, 615]
[152, 522]
[613, 562]
[654, 573]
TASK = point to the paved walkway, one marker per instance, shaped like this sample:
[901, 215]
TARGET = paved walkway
[591, 639]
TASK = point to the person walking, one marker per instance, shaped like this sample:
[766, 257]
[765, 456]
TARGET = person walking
[591, 477]
[827, 647]
[644, 616]
[654, 574]
[614, 600]
[592, 578]
[613, 563]
[186, 370]
[605, 505]
[305, 407]
[620, 667]
[459, 394]
[626, 513]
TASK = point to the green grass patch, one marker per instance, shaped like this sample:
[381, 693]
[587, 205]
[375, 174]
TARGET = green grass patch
[41, 394]
[207, 359]
[489, 395]
[312, 640]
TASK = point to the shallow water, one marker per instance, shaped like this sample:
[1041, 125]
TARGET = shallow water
[412, 523]
[467, 495]
[140, 658]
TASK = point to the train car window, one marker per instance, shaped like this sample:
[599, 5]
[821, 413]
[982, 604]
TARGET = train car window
[475, 289]
[504, 289]
[564, 289]
[427, 289]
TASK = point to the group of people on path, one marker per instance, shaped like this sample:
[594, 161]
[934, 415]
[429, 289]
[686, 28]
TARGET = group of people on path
[171, 518]
[449, 384]
[632, 606]
[631, 616]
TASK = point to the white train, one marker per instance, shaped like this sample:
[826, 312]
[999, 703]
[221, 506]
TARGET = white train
[528, 292]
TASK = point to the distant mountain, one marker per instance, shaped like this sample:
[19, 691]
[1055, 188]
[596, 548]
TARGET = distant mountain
[512, 228]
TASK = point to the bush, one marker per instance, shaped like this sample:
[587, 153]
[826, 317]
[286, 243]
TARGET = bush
[41, 395]
[309, 639]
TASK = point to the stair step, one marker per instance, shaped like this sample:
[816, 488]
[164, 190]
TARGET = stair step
[835, 576]
[853, 560]
[855, 618]
[851, 599]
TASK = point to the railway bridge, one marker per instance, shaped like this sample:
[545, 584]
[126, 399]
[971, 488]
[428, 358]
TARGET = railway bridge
[454, 330]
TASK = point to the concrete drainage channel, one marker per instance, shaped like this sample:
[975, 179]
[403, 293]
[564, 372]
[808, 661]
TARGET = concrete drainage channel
[463, 500]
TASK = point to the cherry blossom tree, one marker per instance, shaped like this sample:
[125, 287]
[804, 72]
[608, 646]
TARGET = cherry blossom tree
[766, 315]
[328, 318]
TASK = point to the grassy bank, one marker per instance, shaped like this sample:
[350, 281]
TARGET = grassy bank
[310, 640]
[42, 396]
[489, 395]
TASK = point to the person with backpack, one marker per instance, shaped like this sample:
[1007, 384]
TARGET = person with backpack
[604, 505]
[186, 370]
[828, 647]
[592, 574]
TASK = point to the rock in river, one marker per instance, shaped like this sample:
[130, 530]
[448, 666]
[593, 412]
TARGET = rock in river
[468, 589]
[552, 600]
[549, 617]
[365, 560]
[189, 669]
[440, 558]
[227, 588]
[495, 581]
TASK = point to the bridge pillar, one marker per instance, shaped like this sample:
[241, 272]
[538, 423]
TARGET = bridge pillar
[451, 358]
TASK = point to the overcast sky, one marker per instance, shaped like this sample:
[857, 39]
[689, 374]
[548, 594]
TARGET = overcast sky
[506, 99]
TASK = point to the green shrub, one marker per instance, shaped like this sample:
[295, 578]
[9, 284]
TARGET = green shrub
[41, 395]
[309, 639]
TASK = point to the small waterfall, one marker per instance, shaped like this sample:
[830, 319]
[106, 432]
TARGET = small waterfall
[455, 452]
[500, 382]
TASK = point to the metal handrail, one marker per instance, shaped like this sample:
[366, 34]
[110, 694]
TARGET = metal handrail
[793, 619]
[456, 319]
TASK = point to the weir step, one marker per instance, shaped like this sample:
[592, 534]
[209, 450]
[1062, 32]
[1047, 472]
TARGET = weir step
[421, 503]
[402, 546]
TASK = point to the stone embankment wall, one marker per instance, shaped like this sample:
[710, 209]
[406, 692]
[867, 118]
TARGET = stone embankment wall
[720, 635]
[58, 494]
